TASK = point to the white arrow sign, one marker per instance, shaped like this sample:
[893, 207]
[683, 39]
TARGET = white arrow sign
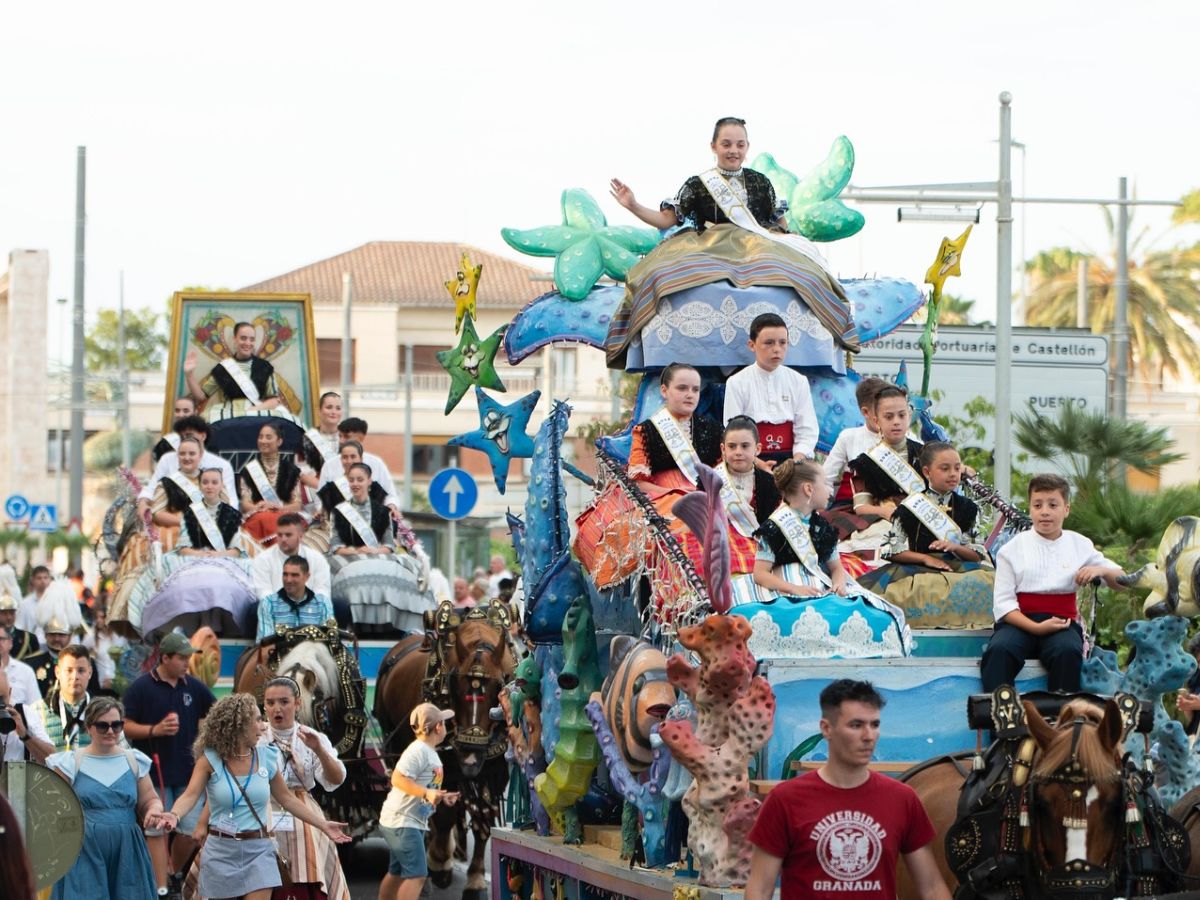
[452, 490]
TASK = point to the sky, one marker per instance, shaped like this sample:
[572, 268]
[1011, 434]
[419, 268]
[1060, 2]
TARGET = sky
[231, 142]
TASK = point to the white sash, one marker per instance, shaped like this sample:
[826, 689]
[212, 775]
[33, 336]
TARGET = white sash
[322, 442]
[361, 527]
[259, 476]
[897, 468]
[678, 444]
[933, 517]
[736, 211]
[343, 485]
[798, 538]
[173, 439]
[208, 525]
[740, 512]
[242, 380]
[184, 484]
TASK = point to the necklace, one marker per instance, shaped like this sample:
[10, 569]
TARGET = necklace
[245, 755]
[735, 173]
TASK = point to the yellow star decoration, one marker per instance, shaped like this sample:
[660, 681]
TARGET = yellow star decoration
[462, 289]
[949, 256]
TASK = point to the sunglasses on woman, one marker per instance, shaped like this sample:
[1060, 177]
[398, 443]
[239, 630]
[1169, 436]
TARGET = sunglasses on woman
[106, 727]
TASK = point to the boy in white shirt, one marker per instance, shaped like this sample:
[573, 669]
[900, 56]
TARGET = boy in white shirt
[853, 442]
[777, 398]
[1037, 575]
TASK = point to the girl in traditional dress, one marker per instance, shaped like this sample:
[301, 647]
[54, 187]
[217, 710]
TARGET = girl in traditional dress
[179, 490]
[750, 496]
[798, 558]
[322, 442]
[382, 585]
[937, 570]
[211, 527]
[308, 758]
[113, 786]
[239, 779]
[269, 486]
[732, 230]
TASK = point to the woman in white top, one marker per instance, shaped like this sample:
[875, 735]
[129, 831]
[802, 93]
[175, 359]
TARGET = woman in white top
[308, 759]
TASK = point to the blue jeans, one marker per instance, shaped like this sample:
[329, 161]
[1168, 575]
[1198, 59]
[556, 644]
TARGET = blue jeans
[407, 856]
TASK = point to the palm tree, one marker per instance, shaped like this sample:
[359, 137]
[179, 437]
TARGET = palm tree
[1164, 299]
[955, 310]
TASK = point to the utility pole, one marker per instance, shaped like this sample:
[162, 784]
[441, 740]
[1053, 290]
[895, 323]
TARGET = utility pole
[1081, 298]
[347, 341]
[1004, 219]
[1121, 313]
[408, 426]
[123, 370]
[76, 494]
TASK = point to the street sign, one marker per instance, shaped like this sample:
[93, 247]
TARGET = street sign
[1051, 368]
[453, 493]
[16, 507]
[43, 517]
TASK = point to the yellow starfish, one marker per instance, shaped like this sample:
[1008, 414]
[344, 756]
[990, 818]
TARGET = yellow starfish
[462, 289]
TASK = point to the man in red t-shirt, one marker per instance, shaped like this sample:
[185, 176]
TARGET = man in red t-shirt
[838, 831]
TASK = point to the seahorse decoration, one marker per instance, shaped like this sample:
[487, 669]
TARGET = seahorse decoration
[553, 578]
[576, 753]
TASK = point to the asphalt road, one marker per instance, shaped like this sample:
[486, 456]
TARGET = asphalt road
[368, 865]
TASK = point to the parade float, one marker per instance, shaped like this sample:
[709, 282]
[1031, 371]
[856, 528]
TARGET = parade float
[622, 745]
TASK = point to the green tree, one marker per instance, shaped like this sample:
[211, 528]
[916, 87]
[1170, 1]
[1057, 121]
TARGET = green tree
[145, 340]
[954, 310]
[1093, 447]
[1164, 296]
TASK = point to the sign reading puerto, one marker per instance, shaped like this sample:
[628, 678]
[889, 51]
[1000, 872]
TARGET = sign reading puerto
[453, 493]
[16, 508]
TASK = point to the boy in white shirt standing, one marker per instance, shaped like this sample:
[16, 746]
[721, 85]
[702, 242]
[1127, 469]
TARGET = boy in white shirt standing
[1037, 575]
[777, 398]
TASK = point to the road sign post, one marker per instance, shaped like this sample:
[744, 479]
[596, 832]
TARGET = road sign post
[16, 508]
[453, 493]
[43, 518]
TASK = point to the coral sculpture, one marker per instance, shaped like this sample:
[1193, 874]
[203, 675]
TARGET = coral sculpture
[735, 715]
[576, 752]
[1159, 666]
[523, 714]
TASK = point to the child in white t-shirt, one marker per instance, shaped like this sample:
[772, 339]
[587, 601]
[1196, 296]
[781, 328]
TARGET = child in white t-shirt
[416, 792]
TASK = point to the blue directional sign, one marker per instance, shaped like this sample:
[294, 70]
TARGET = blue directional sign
[453, 493]
[43, 517]
[16, 508]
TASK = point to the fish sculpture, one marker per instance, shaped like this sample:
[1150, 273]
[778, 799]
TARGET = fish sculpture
[1174, 576]
[703, 511]
[636, 696]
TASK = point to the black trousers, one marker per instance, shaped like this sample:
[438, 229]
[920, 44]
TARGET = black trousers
[1060, 653]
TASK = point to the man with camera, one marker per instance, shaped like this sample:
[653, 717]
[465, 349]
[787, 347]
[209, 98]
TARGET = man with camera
[22, 735]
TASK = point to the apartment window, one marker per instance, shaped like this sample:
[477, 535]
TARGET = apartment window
[329, 360]
[565, 372]
[429, 459]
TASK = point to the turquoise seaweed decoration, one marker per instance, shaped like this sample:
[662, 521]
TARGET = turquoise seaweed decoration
[1159, 667]
[814, 209]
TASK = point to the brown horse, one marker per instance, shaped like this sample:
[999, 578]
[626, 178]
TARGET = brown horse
[1076, 811]
[472, 659]
[1187, 813]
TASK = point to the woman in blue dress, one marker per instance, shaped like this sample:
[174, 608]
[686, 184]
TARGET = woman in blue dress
[112, 784]
[240, 778]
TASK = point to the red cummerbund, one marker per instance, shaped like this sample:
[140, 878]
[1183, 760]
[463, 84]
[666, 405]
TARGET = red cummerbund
[1054, 604]
[775, 437]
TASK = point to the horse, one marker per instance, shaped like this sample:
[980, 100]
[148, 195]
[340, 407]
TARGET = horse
[1060, 825]
[1186, 812]
[462, 663]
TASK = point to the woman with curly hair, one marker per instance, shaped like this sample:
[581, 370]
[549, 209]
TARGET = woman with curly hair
[240, 778]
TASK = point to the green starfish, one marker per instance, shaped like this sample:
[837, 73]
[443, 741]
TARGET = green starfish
[472, 362]
[585, 246]
[814, 210]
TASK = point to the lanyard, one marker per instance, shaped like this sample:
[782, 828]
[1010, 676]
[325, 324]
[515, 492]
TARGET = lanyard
[234, 799]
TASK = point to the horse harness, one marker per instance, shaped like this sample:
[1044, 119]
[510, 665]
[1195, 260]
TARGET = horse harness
[345, 710]
[444, 683]
[993, 848]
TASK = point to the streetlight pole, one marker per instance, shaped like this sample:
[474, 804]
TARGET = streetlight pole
[76, 498]
[1121, 313]
[1003, 459]
[123, 371]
